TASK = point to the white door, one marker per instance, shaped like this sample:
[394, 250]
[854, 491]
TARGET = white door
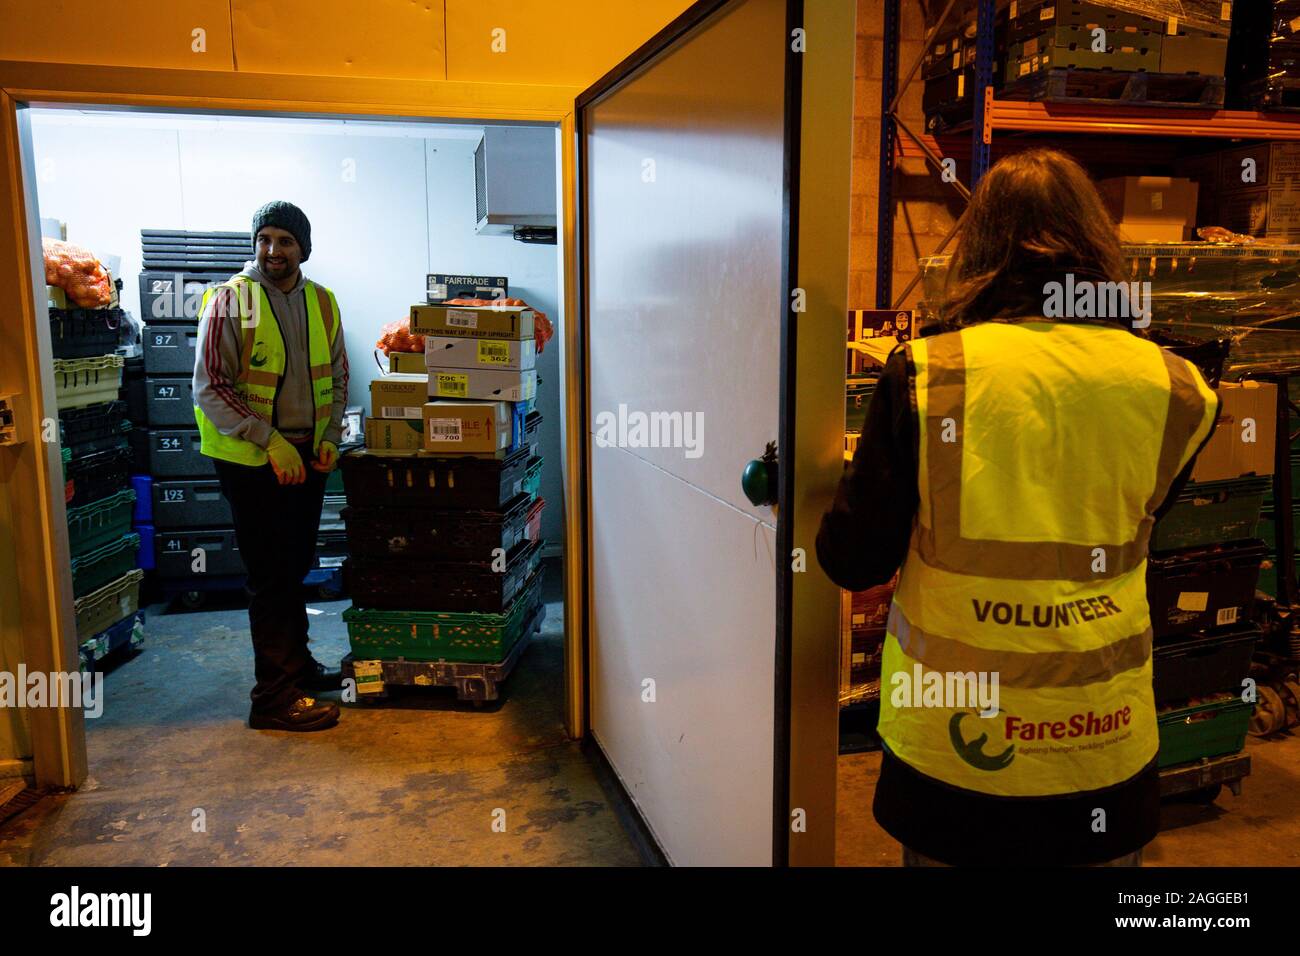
[687, 187]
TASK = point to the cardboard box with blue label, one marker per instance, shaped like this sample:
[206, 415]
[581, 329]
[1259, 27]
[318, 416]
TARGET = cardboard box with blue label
[394, 436]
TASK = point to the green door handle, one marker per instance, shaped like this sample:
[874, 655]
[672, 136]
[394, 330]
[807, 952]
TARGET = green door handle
[759, 479]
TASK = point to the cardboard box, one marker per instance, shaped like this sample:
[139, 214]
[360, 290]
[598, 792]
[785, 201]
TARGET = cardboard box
[1265, 211]
[411, 363]
[481, 428]
[400, 436]
[1227, 455]
[1193, 54]
[1232, 167]
[55, 298]
[897, 324]
[472, 322]
[1151, 208]
[399, 396]
[486, 384]
[439, 287]
[448, 352]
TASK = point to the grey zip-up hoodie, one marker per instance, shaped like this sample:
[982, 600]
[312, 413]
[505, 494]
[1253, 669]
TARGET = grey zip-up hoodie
[217, 366]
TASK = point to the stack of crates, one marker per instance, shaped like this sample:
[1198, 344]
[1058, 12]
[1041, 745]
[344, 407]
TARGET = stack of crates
[1108, 50]
[93, 434]
[443, 517]
[181, 507]
[1264, 59]
[1268, 527]
[1204, 565]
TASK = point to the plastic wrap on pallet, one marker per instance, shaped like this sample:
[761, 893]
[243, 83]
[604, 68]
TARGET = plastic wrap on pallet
[1248, 294]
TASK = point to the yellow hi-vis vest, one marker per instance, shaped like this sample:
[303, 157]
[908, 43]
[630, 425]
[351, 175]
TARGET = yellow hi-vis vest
[262, 363]
[1044, 448]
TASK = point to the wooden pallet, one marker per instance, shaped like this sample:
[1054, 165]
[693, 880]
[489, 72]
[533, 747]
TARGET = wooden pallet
[477, 683]
[1110, 87]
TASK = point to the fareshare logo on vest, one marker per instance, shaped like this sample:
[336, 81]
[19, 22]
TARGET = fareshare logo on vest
[1065, 734]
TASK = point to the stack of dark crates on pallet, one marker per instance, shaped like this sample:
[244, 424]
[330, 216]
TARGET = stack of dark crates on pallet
[181, 508]
[1170, 52]
[1264, 62]
[444, 566]
[1202, 572]
[93, 430]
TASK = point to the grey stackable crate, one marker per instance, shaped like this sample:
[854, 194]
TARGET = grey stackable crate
[190, 503]
[169, 349]
[161, 300]
[174, 553]
[174, 453]
[169, 399]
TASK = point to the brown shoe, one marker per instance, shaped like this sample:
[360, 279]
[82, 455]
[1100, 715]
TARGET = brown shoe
[305, 713]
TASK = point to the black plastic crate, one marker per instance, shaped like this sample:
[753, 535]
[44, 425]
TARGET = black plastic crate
[1203, 665]
[405, 584]
[427, 482]
[138, 439]
[170, 349]
[81, 333]
[174, 453]
[93, 428]
[174, 553]
[175, 295]
[98, 475]
[190, 504]
[1204, 589]
[442, 535]
[133, 391]
[170, 400]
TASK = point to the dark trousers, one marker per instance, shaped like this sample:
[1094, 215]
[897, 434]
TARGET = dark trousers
[275, 526]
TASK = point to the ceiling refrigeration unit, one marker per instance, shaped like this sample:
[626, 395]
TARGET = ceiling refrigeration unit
[514, 183]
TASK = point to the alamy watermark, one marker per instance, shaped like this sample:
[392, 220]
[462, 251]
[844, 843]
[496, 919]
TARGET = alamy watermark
[945, 689]
[638, 429]
[1088, 299]
[57, 689]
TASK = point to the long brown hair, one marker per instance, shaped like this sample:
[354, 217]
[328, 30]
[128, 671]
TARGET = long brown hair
[1034, 217]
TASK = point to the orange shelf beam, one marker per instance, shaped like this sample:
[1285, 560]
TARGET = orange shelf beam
[1033, 117]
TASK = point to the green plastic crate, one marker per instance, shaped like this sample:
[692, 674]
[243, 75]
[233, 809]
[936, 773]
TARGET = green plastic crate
[1213, 729]
[1212, 512]
[105, 606]
[96, 568]
[440, 636]
[533, 477]
[100, 522]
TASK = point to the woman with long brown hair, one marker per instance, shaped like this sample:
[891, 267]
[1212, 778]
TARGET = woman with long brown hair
[1013, 465]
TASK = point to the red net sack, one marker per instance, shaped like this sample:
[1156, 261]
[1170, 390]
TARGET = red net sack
[78, 273]
[397, 337]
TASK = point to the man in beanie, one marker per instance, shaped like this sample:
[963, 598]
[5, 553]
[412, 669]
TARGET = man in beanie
[270, 386]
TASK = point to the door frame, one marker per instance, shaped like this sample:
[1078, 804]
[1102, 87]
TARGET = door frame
[39, 533]
[815, 259]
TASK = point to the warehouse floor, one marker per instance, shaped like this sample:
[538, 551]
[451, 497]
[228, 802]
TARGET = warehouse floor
[1259, 828]
[416, 783]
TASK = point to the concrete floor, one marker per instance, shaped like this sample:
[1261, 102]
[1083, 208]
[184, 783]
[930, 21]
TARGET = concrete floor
[417, 783]
[1259, 828]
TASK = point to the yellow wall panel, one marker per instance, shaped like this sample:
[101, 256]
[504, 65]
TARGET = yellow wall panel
[397, 39]
[135, 33]
[564, 43]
